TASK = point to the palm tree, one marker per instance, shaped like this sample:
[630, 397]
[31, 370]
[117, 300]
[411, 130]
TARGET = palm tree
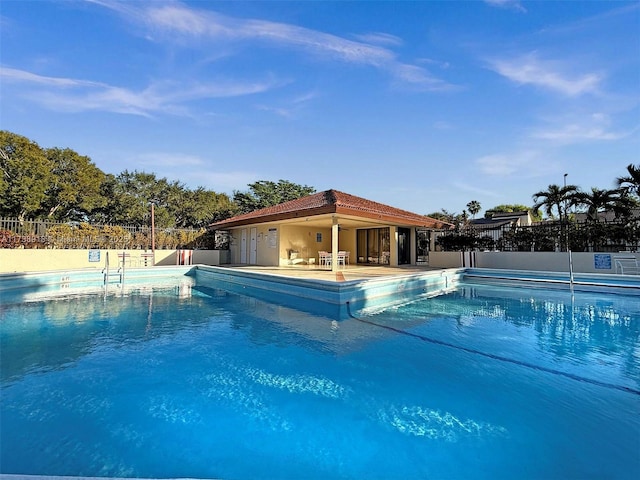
[555, 197]
[601, 200]
[631, 182]
[474, 207]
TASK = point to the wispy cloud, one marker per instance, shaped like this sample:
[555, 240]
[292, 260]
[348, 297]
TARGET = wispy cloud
[190, 170]
[507, 165]
[379, 38]
[20, 76]
[476, 190]
[510, 4]
[552, 75]
[74, 95]
[595, 127]
[291, 107]
[175, 19]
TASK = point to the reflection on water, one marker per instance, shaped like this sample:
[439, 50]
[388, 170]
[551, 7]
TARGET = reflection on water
[193, 382]
[577, 328]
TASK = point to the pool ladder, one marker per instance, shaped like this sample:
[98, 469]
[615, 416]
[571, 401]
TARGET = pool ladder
[107, 274]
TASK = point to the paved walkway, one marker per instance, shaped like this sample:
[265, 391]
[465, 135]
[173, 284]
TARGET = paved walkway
[346, 273]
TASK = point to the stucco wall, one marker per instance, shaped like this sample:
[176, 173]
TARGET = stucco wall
[33, 260]
[289, 238]
[583, 262]
[303, 240]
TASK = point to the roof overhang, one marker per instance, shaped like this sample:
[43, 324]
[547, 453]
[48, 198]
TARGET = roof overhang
[330, 207]
[324, 217]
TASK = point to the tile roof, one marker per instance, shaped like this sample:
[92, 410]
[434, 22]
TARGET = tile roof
[327, 202]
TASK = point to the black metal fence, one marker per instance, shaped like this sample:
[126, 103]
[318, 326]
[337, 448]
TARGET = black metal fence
[15, 233]
[604, 236]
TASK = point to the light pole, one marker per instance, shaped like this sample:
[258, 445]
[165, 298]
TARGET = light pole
[153, 234]
[566, 229]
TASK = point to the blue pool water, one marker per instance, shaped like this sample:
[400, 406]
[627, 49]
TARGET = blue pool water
[195, 381]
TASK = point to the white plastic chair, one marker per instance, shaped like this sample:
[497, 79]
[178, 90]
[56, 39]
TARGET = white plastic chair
[324, 258]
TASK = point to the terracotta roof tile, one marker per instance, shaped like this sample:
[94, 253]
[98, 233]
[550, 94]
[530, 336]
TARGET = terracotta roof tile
[331, 201]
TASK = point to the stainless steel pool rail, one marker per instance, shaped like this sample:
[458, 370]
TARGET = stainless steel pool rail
[106, 273]
[571, 280]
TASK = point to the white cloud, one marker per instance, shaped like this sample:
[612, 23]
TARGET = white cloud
[595, 127]
[290, 107]
[552, 75]
[191, 170]
[510, 4]
[73, 95]
[507, 165]
[20, 76]
[175, 19]
[380, 38]
[476, 190]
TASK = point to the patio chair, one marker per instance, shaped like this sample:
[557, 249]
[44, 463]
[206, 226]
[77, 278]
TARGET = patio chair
[324, 258]
[343, 258]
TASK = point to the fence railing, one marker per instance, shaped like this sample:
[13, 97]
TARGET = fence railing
[602, 236]
[15, 233]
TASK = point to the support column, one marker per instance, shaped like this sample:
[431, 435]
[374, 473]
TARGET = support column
[334, 244]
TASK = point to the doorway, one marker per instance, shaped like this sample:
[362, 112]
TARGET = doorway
[404, 246]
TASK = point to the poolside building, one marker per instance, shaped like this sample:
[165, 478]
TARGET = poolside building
[330, 229]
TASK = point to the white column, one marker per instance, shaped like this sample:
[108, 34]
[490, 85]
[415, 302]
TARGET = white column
[334, 244]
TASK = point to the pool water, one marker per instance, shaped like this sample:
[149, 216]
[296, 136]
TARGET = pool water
[484, 382]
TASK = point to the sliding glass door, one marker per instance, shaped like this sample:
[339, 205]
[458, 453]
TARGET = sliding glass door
[404, 246]
[374, 246]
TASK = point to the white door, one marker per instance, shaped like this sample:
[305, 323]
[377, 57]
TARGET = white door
[243, 246]
[253, 252]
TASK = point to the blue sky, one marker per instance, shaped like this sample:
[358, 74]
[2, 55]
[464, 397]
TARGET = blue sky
[420, 105]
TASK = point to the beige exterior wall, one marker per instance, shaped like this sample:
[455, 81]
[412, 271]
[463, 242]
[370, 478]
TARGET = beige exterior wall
[288, 239]
[303, 241]
[266, 245]
[37, 260]
[583, 262]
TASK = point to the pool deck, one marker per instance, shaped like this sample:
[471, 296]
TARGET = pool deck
[346, 273]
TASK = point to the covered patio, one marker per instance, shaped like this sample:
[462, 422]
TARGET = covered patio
[296, 233]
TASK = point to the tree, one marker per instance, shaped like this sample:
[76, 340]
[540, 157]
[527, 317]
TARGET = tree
[201, 207]
[444, 216]
[74, 190]
[473, 207]
[631, 182]
[265, 193]
[25, 174]
[601, 200]
[555, 197]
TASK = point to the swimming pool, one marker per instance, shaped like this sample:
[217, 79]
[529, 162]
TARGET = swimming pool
[197, 379]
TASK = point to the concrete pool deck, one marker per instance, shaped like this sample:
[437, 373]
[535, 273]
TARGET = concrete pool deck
[346, 273]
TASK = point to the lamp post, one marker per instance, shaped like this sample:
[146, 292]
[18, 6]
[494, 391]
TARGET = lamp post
[153, 234]
[566, 229]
